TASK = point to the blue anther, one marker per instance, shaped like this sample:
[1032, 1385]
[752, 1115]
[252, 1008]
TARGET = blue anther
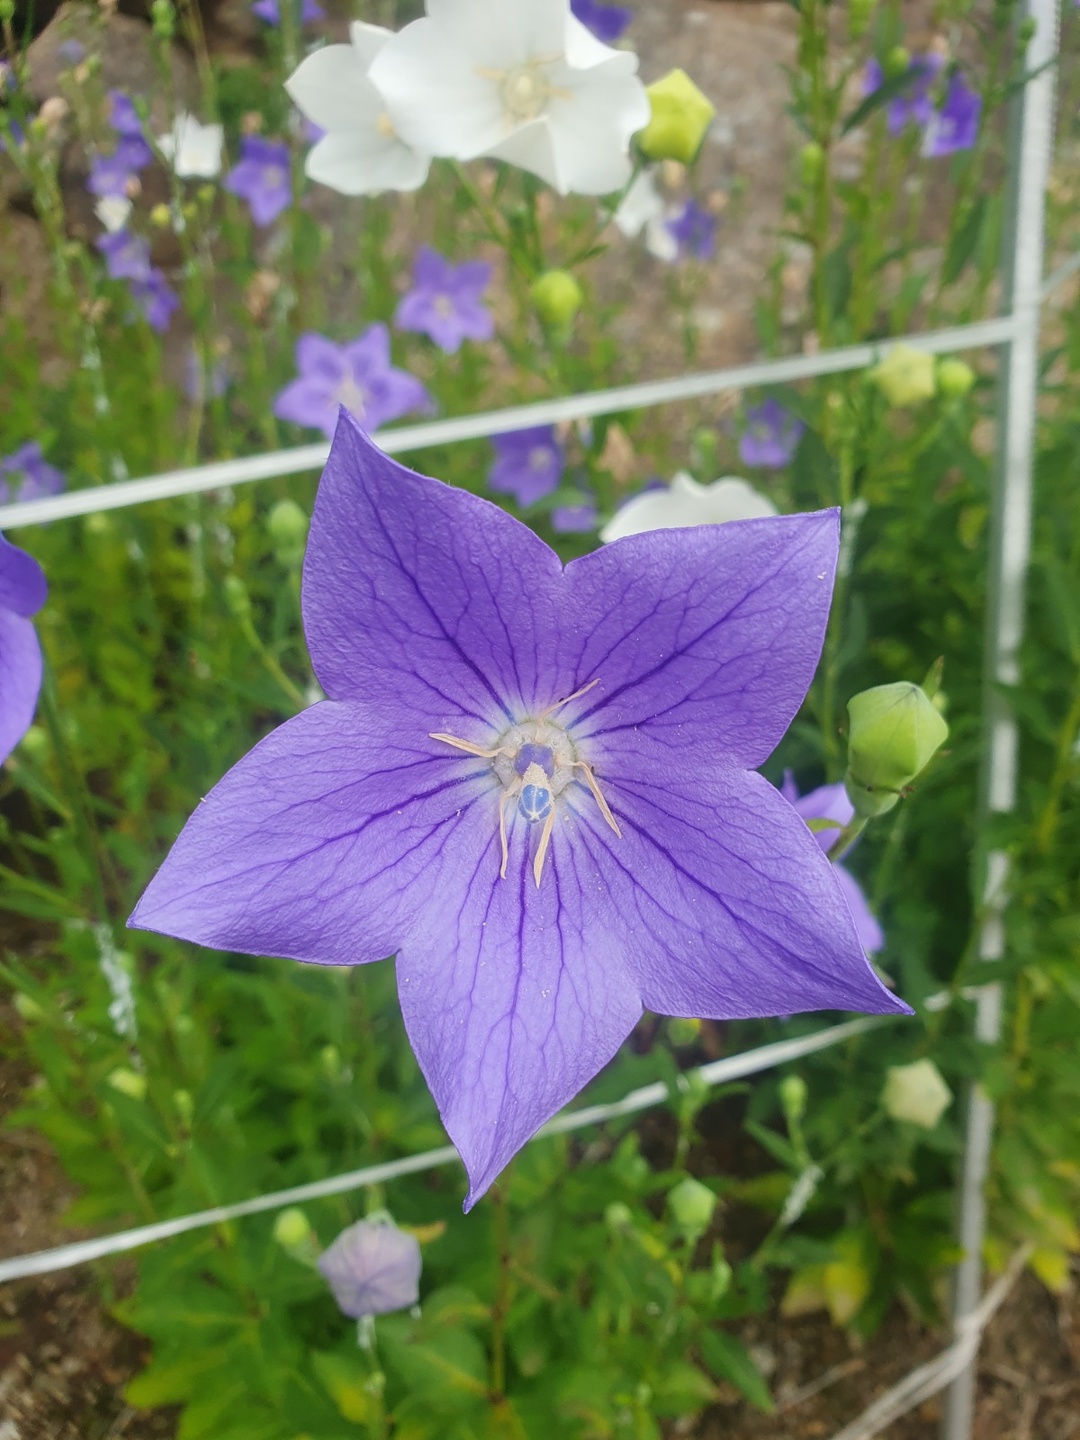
[541, 755]
[535, 802]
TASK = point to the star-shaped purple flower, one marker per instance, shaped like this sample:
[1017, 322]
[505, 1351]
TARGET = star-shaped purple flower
[607, 22]
[269, 12]
[830, 802]
[372, 1268]
[528, 464]
[956, 125]
[694, 231]
[127, 256]
[535, 786]
[913, 105]
[22, 594]
[261, 177]
[446, 301]
[110, 175]
[358, 375]
[771, 436]
[156, 300]
[25, 474]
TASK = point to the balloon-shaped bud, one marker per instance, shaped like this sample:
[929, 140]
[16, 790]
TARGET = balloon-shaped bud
[893, 733]
[906, 376]
[557, 297]
[811, 160]
[916, 1094]
[292, 1231]
[128, 1082]
[860, 13]
[793, 1098]
[954, 377]
[288, 527]
[691, 1205]
[680, 117]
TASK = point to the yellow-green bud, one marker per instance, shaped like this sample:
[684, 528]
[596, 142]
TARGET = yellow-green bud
[916, 1093]
[793, 1098]
[330, 1059]
[859, 15]
[185, 1106]
[35, 744]
[128, 1082]
[618, 1216]
[691, 1205]
[896, 62]
[906, 376]
[7, 11]
[680, 116]
[163, 16]
[292, 1230]
[893, 733]
[27, 1009]
[288, 527]
[557, 297]
[954, 377]
[161, 216]
[811, 160]
[683, 1032]
[237, 599]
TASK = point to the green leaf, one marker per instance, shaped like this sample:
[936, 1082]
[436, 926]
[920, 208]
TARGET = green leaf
[728, 1360]
[449, 1371]
[964, 241]
[682, 1389]
[346, 1380]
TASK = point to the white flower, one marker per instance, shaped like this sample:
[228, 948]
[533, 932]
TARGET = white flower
[113, 211]
[659, 239]
[361, 152]
[641, 204]
[686, 502]
[520, 80]
[916, 1093]
[192, 148]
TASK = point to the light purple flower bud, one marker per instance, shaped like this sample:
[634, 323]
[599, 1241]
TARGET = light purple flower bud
[771, 436]
[372, 1268]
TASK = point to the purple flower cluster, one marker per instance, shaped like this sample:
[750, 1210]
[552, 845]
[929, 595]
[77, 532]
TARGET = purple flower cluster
[771, 436]
[22, 594]
[478, 692]
[358, 376]
[269, 11]
[112, 174]
[127, 257]
[607, 22]
[25, 474]
[446, 301]
[261, 177]
[946, 128]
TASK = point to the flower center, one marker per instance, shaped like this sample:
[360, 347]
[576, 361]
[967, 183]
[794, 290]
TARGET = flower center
[352, 396]
[539, 457]
[534, 761]
[524, 91]
[384, 126]
[443, 306]
[273, 177]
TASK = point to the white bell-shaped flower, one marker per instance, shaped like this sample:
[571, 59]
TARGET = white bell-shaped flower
[193, 149]
[362, 151]
[687, 502]
[520, 80]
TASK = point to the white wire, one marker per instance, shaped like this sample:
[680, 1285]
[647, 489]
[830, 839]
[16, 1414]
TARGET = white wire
[751, 1062]
[406, 438]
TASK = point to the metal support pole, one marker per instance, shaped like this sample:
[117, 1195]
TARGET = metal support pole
[1031, 139]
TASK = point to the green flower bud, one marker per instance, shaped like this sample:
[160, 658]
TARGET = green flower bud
[793, 1098]
[237, 599]
[7, 11]
[691, 1205]
[859, 16]
[27, 1009]
[906, 376]
[896, 62]
[35, 743]
[557, 297]
[893, 733]
[680, 117]
[163, 16]
[618, 1216]
[288, 527]
[185, 1106]
[811, 160]
[954, 377]
[683, 1032]
[916, 1094]
[292, 1230]
[330, 1059]
[128, 1082]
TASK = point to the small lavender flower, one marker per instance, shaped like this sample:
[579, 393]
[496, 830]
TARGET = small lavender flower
[528, 464]
[269, 11]
[913, 105]
[110, 175]
[261, 177]
[607, 22]
[830, 802]
[445, 302]
[156, 299]
[694, 231]
[26, 475]
[22, 594]
[127, 256]
[956, 125]
[358, 375]
[478, 694]
[574, 519]
[372, 1268]
[771, 436]
[131, 147]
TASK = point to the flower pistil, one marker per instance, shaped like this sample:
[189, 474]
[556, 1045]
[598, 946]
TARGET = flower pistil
[524, 91]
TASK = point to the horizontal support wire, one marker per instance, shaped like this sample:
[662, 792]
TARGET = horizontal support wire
[717, 1072]
[406, 438]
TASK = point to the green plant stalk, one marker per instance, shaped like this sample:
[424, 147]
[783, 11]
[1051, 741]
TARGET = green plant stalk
[503, 1279]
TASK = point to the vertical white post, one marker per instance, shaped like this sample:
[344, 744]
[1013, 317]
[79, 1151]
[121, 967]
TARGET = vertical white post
[1031, 139]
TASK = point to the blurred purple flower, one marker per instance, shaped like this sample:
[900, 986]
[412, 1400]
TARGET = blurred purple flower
[71, 51]
[445, 302]
[22, 594]
[358, 375]
[528, 464]
[771, 436]
[204, 384]
[110, 175]
[269, 11]
[913, 104]
[574, 519]
[607, 22]
[261, 177]
[694, 230]
[372, 1268]
[131, 148]
[127, 256]
[156, 299]
[956, 125]
[477, 688]
[26, 475]
[830, 802]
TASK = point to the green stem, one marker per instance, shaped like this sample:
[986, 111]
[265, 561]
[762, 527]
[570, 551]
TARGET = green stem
[501, 1307]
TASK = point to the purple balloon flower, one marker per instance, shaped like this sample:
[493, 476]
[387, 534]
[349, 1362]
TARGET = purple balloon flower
[26, 475]
[913, 105]
[127, 256]
[771, 436]
[830, 802]
[528, 464]
[156, 299]
[693, 230]
[445, 302]
[372, 1268]
[22, 594]
[535, 785]
[269, 12]
[607, 22]
[110, 175]
[261, 177]
[358, 375]
[574, 519]
[131, 150]
[956, 125]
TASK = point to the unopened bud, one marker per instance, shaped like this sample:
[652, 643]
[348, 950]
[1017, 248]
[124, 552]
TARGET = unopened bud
[618, 1216]
[237, 599]
[288, 527]
[683, 1032]
[896, 62]
[34, 744]
[679, 119]
[7, 11]
[27, 1009]
[330, 1059]
[185, 1106]
[163, 17]
[954, 377]
[793, 1098]
[893, 733]
[691, 1205]
[906, 376]
[161, 216]
[859, 15]
[556, 296]
[811, 160]
[292, 1229]
[916, 1093]
[128, 1082]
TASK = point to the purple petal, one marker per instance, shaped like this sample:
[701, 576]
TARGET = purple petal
[392, 395]
[430, 269]
[20, 678]
[22, 581]
[308, 402]
[371, 353]
[705, 639]
[319, 358]
[827, 802]
[867, 928]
